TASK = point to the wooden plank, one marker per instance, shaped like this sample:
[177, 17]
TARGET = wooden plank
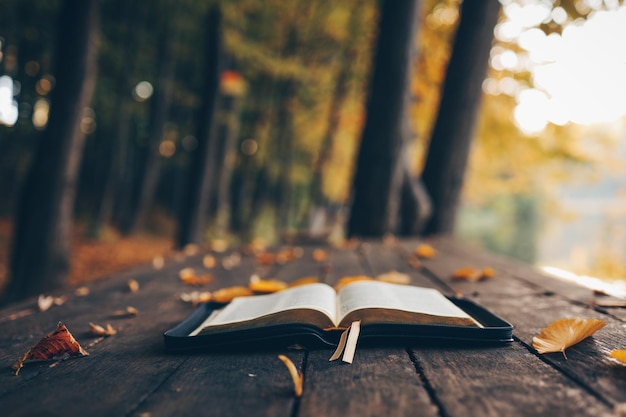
[530, 311]
[226, 384]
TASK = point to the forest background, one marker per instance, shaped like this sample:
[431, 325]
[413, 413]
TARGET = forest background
[291, 110]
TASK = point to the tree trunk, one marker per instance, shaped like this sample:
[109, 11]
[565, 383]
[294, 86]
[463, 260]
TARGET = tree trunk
[377, 180]
[41, 245]
[161, 105]
[193, 214]
[449, 147]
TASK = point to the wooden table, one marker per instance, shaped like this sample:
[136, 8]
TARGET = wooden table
[130, 374]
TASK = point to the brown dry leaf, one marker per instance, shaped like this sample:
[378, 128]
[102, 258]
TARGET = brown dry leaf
[133, 285]
[231, 261]
[266, 286]
[303, 281]
[130, 311]
[102, 331]
[414, 262]
[55, 345]
[225, 295]
[561, 334]
[81, 291]
[219, 245]
[44, 302]
[196, 297]
[266, 258]
[209, 261]
[424, 250]
[350, 279]
[619, 354]
[319, 255]
[394, 277]
[191, 249]
[296, 377]
[158, 262]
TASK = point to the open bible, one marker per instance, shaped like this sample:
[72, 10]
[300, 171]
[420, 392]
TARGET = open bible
[314, 314]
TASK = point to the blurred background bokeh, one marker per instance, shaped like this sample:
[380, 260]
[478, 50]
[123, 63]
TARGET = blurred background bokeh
[545, 183]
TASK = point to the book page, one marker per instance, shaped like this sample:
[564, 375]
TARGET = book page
[371, 294]
[320, 297]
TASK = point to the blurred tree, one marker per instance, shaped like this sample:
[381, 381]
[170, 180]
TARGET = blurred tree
[40, 257]
[449, 146]
[377, 179]
[202, 174]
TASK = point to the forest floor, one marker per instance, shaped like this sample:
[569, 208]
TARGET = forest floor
[95, 259]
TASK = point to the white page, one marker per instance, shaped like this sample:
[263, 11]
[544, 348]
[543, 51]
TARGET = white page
[372, 294]
[319, 297]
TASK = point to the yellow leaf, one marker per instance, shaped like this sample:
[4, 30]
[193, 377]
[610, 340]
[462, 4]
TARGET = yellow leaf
[266, 285]
[394, 277]
[225, 295]
[425, 251]
[296, 376]
[561, 334]
[350, 279]
[101, 331]
[619, 354]
[304, 281]
[133, 285]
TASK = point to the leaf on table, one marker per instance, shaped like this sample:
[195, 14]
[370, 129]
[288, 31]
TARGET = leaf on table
[350, 279]
[55, 345]
[414, 261]
[130, 311]
[231, 261]
[619, 355]
[266, 286]
[158, 262]
[563, 333]
[226, 295]
[426, 251]
[98, 330]
[319, 255]
[188, 276]
[296, 377]
[191, 249]
[44, 302]
[196, 297]
[133, 285]
[209, 261]
[218, 245]
[81, 291]
[394, 277]
[468, 273]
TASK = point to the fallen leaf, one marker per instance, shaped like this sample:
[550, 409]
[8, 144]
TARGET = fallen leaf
[394, 277]
[102, 331]
[196, 297]
[226, 295]
[414, 262]
[158, 262]
[209, 261]
[130, 311]
[191, 249]
[466, 273]
[81, 291]
[619, 354]
[54, 346]
[319, 255]
[350, 279]
[561, 334]
[266, 285]
[44, 302]
[231, 261]
[218, 245]
[296, 376]
[266, 258]
[425, 251]
[133, 285]
[188, 276]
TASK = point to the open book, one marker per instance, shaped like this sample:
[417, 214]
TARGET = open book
[315, 314]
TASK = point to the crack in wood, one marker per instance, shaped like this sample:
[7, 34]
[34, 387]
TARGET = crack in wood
[430, 390]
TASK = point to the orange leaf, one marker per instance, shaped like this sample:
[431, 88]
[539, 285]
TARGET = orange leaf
[296, 376]
[561, 334]
[55, 345]
[102, 331]
[619, 354]
[225, 295]
[350, 279]
[425, 251]
[266, 285]
[319, 255]
[394, 277]
[304, 281]
[133, 285]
